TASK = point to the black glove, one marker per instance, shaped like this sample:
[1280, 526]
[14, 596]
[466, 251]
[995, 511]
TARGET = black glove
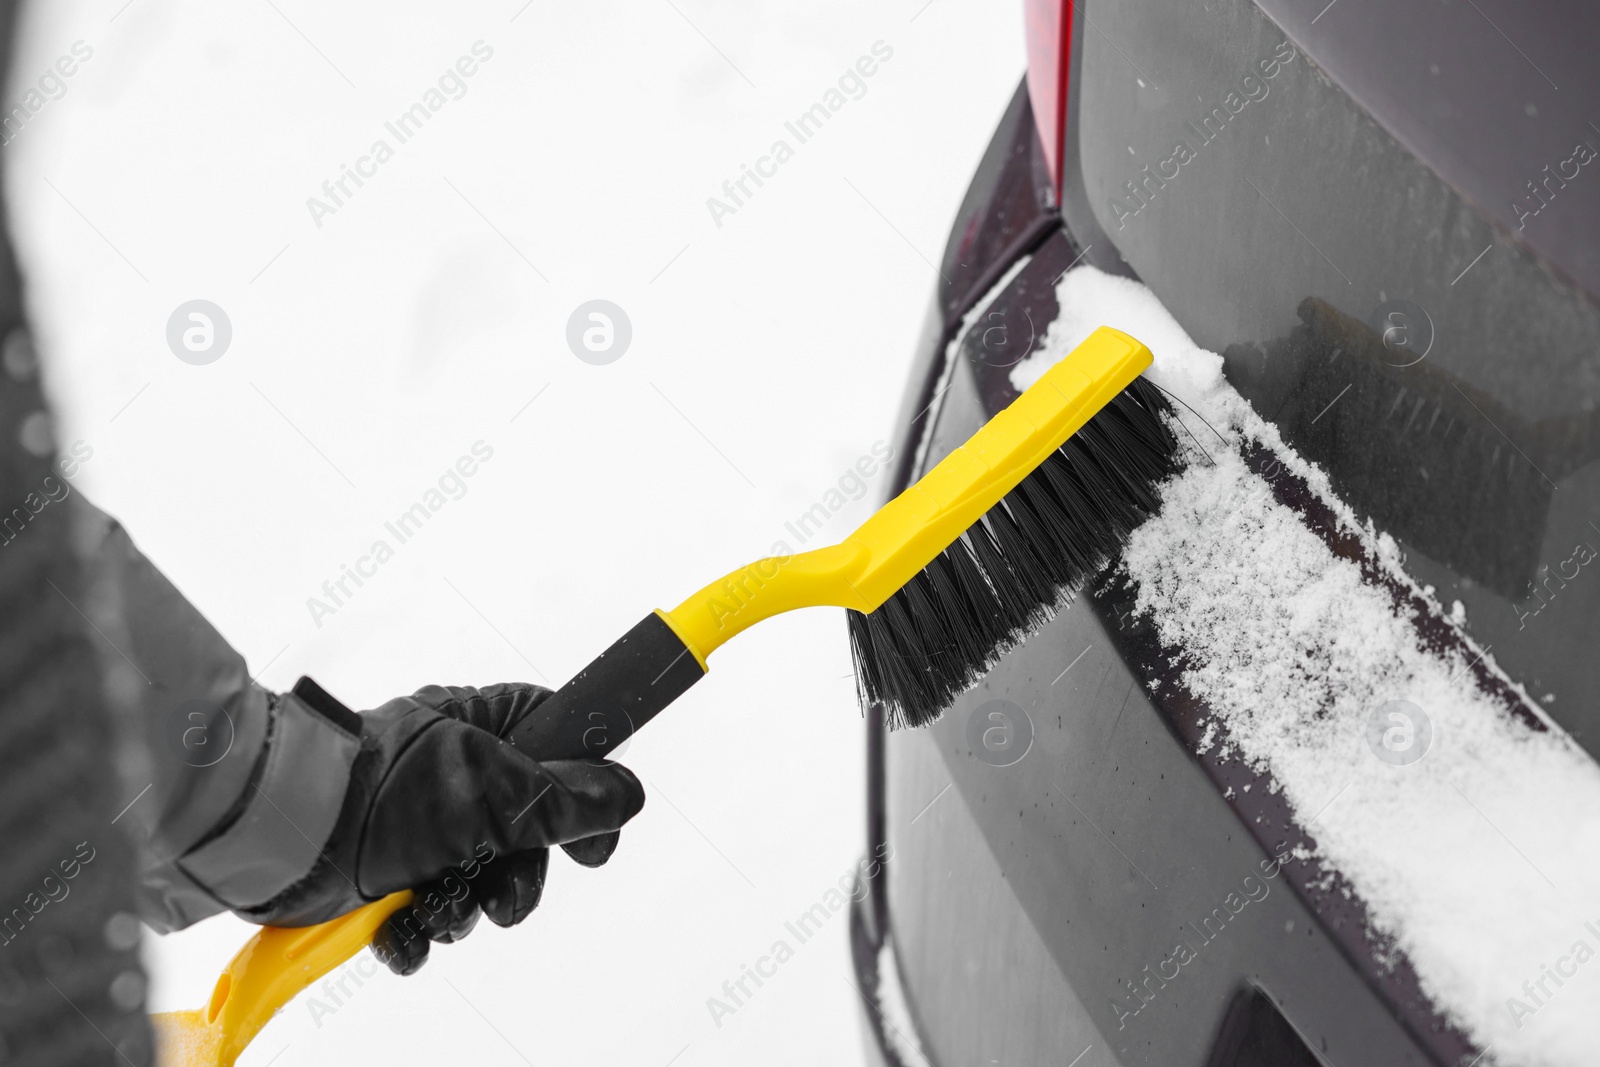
[439, 804]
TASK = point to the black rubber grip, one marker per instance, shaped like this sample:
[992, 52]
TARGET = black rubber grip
[624, 688]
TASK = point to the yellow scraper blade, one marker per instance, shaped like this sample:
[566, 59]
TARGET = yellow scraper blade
[266, 974]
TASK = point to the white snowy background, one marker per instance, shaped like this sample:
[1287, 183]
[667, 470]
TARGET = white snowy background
[370, 353]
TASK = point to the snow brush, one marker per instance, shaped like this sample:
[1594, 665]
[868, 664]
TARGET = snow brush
[938, 584]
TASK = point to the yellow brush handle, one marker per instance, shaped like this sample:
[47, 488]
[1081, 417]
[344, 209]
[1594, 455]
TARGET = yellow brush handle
[274, 965]
[907, 532]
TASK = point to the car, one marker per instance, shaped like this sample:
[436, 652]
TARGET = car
[1385, 219]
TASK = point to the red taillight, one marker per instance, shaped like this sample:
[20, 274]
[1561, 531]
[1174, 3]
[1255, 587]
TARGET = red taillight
[1049, 38]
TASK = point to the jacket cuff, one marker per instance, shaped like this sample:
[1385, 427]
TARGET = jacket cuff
[290, 812]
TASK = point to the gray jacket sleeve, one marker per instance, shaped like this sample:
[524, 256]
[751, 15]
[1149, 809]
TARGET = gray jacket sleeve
[241, 786]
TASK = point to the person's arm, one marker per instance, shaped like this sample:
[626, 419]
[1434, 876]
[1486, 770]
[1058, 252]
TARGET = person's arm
[291, 809]
[243, 785]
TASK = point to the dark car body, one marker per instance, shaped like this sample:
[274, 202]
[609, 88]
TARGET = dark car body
[1386, 218]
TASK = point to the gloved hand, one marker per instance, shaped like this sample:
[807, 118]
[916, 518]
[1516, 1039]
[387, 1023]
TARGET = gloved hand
[439, 804]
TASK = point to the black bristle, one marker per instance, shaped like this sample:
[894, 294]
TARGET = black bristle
[1018, 565]
[1076, 502]
[990, 622]
[1019, 553]
[909, 665]
[1009, 592]
[1071, 561]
